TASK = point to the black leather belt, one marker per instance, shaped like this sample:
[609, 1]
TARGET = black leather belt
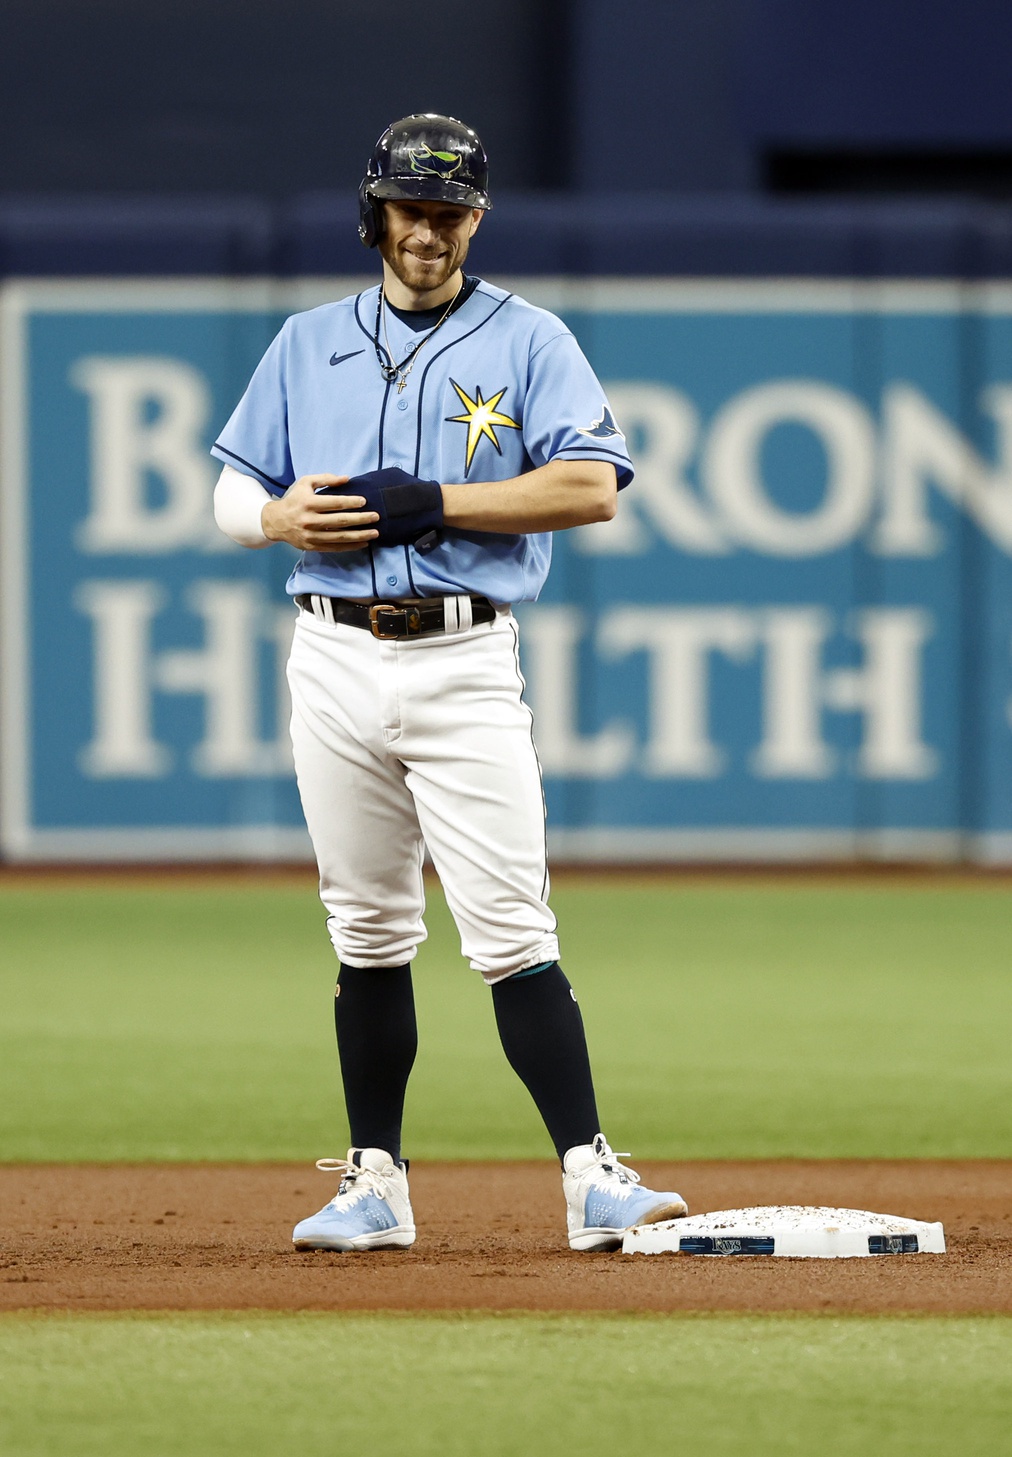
[410, 617]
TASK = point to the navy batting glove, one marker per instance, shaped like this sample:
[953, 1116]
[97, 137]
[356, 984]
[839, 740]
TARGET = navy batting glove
[410, 510]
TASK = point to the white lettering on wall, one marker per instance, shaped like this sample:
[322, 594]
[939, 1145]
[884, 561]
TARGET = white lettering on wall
[886, 691]
[679, 642]
[922, 447]
[225, 672]
[665, 423]
[878, 481]
[792, 746]
[732, 467]
[798, 693]
[122, 743]
[147, 420]
[551, 640]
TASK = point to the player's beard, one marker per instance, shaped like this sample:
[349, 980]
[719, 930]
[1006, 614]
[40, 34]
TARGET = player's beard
[411, 270]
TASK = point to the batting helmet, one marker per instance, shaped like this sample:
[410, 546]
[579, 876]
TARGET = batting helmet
[422, 157]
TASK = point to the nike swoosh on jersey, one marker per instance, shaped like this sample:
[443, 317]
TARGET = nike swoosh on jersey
[340, 358]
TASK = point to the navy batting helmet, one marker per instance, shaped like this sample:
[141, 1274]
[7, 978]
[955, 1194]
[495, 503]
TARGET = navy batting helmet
[422, 157]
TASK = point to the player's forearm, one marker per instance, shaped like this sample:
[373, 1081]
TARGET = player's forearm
[561, 494]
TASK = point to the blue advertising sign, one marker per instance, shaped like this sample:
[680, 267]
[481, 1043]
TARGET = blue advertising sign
[794, 641]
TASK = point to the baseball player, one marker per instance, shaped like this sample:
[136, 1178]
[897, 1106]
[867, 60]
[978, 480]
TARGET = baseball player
[419, 443]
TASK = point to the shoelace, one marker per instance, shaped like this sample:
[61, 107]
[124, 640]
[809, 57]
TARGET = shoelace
[351, 1175]
[608, 1164]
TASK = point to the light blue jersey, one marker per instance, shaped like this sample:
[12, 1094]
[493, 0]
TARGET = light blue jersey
[501, 389]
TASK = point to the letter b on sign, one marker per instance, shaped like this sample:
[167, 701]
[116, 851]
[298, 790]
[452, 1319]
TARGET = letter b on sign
[148, 416]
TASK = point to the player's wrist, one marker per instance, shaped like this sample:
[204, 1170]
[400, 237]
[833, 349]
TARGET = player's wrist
[455, 499]
[267, 521]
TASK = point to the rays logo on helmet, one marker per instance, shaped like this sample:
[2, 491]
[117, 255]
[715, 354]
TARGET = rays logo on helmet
[434, 164]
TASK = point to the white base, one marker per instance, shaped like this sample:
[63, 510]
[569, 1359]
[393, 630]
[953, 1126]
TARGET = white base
[797, 1230]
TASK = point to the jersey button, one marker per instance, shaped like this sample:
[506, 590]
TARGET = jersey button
[402, 404]
[391, 581]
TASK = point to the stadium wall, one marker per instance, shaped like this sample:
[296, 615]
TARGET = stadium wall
[794, 643]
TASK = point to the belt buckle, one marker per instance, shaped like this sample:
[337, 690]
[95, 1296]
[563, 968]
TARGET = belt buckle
[409, 626]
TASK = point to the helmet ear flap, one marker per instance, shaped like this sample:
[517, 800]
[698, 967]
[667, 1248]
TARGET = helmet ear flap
[370, 216]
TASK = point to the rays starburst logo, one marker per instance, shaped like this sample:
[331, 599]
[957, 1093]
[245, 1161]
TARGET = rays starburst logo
[482, 417]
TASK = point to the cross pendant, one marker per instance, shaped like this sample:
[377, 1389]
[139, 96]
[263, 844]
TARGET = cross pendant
[401, 384]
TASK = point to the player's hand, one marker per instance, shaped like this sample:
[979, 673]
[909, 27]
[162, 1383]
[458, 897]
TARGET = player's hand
[312, 522]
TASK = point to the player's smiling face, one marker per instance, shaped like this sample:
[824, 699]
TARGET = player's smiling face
[423, 245]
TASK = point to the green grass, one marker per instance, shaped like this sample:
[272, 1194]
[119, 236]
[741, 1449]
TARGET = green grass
[504, 1386]
[729, 1019]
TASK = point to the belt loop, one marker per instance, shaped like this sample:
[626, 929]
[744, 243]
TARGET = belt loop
[316, 605]
[450, 616]
[465, 613]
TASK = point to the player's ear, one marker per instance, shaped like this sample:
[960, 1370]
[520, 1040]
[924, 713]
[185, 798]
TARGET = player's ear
[477, 214]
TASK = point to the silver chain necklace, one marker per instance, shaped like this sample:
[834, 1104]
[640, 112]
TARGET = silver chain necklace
[388, 368]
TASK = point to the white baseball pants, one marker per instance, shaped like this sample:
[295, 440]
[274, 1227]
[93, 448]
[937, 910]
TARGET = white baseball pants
[424, 742]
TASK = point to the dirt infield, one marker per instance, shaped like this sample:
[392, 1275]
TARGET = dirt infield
[210, 1237]
[181, 875]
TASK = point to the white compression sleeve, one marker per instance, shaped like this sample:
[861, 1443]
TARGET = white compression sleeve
[238, 502]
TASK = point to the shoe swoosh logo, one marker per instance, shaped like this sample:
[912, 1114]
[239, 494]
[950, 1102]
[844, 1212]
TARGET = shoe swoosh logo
[340, 358]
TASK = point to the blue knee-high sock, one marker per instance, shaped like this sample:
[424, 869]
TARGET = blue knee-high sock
[542, 1034]
[377, 1037]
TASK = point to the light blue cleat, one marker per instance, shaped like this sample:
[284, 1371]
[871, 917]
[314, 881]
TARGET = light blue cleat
[370, 1211]
[604, 1199]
